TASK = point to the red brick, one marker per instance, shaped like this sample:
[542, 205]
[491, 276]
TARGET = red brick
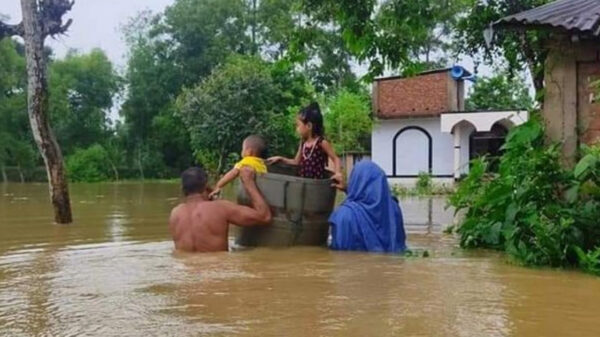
[419, 96]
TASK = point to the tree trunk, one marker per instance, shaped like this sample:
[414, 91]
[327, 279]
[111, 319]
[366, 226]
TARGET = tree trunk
[115, 172]
[3, 171]
[37, 102]
[254, 46]
[139, 160]
[21, 174]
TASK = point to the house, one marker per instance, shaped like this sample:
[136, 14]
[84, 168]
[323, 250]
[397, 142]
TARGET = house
[422, 126]
[571, 111]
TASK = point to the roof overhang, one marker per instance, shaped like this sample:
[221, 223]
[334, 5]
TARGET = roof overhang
[578, 17]
[483, 121]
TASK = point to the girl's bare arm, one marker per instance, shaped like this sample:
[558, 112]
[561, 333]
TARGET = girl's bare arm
[337, 163]
[288, 161]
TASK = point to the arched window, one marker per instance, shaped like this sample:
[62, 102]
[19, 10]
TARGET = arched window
[412, 152]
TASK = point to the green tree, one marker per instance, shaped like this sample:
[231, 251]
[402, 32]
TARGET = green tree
[167, 52]
[183, 45]
[401, 35]
[284, 32]
[348, 122]
[205, 32]
[115, 155]
[16, 145]
[240, 98]
[521, 49]
[82, 90]
[499, 92]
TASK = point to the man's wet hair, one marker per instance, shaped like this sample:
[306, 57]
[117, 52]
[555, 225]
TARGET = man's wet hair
[257, 144]
[193, 180]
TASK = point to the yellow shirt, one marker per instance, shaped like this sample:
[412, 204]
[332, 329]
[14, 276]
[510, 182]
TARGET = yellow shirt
[253, 162]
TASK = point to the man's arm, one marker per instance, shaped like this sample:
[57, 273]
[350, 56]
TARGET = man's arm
[259, 212]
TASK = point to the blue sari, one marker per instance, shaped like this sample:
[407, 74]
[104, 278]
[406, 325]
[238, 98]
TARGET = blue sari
[369, 219]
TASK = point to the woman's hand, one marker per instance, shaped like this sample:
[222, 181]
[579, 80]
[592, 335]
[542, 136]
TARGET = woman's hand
[274, 160]
[338, 182]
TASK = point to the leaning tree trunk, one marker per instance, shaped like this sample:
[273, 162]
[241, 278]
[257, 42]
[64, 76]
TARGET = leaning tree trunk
[37, 101]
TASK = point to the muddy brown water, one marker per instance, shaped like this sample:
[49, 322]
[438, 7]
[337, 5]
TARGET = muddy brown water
[114, 273]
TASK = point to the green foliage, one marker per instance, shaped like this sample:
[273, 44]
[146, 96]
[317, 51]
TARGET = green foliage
[82, 88]
[520, 49]
[424, 183]
[179, 48]
[348, 121]
[399, 34]
[499, 92]
[16, 144]
[589, 261]
[536, 211]
[240, 98]
[88, 165]
[203, 33]
[424, 187]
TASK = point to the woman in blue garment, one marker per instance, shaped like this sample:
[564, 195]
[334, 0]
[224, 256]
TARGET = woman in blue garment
[369, 219]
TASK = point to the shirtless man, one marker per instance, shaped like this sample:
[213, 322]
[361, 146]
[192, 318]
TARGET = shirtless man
[201, 225]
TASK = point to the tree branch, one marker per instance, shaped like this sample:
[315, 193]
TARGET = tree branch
[7, 30]
[52, 12]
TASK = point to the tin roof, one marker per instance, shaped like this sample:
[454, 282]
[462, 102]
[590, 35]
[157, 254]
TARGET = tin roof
[582, 16]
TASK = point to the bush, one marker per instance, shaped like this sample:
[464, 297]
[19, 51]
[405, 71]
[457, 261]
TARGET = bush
[532, 208]
[243, 96]
[89, 165]
[424, 184]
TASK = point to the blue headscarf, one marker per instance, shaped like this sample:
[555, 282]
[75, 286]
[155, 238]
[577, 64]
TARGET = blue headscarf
[369, 219]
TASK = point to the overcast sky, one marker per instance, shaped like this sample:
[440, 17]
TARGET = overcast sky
[96, 23]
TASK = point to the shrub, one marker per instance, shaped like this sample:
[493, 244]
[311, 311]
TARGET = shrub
[424, 184]
[89, 165]
[532, 208]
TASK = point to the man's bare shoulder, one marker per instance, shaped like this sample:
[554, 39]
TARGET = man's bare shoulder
[175, 212]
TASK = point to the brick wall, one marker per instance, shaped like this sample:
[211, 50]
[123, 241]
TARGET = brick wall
[419, 96]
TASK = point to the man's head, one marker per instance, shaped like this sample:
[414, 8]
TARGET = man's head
[193, 181]
[254, 146]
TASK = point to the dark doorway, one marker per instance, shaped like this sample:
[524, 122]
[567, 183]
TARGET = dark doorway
[488, 144]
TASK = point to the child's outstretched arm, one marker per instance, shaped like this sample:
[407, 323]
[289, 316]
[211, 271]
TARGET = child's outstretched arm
[337, 163]
[287, 161]
[226, 179]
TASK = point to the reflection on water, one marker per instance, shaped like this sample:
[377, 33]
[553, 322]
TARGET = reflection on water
[114, 273]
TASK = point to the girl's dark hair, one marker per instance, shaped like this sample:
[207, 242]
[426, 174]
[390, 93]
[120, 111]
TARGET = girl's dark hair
[312, 114]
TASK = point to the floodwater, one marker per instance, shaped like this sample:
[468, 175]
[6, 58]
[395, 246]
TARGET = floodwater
[114, 273]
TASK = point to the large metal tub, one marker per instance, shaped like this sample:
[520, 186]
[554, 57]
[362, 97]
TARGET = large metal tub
[300, 208]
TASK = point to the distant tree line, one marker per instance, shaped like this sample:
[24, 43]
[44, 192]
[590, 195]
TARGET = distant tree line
[203, 74]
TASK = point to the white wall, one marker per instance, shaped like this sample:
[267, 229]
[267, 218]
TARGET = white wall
[412, 147]
[466, 130]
